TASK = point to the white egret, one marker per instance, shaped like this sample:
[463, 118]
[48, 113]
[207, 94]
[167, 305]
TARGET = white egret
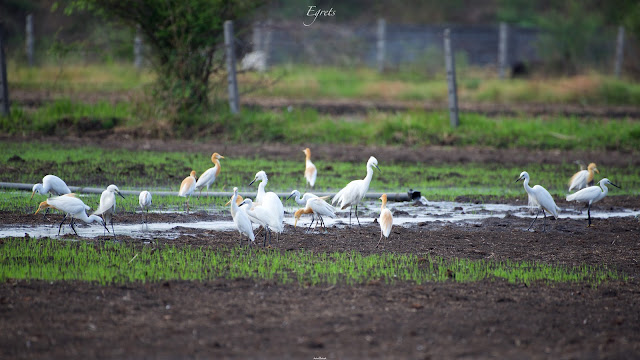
[51, 184]
[264, 215]
[539, 197]
[302, 200]
[354, 192]
[73, 208]
[583, 178]
[386, 219]
[108, 205]
[270, 201]
[187, 187]
[310, 171]
[319, 208]
[591, 195]
[208, 177]
[145, 202]
[240, 218]
[262, 176]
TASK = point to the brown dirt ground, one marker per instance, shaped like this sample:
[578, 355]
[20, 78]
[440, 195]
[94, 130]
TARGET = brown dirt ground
[260, 319]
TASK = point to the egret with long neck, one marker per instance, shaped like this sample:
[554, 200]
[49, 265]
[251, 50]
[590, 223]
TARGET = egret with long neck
[591, 195]
[351, 195]
[539, 197]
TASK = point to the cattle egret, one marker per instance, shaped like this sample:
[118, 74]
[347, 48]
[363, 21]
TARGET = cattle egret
[310, 171]
[591, 195]
[50, 184]
[145, 203]
[583, 178]
[539, 197]
[108, 205]
[73, 208]
[386, 219]
[317, 206]
[240, 218]
[187, 187]
[208, 177]
[355, 191]
[264, 215]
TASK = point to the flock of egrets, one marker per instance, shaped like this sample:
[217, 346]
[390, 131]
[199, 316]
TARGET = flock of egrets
[267, 210]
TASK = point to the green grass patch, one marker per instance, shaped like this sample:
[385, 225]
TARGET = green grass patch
[28, 162]
[111, 263]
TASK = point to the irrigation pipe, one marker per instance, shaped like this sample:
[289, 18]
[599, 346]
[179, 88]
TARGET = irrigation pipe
[224, 194]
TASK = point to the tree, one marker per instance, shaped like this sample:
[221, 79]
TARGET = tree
[185, 37]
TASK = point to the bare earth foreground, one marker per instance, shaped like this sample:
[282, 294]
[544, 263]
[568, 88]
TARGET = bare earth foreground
[258, 319]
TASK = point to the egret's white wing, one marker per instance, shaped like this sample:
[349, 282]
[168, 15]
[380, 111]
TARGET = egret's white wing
[579, 180]
[585, 195]
[206, 179]
[545, 200]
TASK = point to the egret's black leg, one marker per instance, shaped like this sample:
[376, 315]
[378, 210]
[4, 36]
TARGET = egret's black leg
[350, 215]
[534, 220]
[544, 221]
[73, 227]
[357, 216]
[60, 227]
[589, 215]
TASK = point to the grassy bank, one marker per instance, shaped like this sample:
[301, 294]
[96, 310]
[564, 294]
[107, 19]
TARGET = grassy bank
[117, 263]
[301, 126]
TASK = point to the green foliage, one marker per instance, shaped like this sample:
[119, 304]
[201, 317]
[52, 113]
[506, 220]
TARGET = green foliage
[120, 264]
[184, 37]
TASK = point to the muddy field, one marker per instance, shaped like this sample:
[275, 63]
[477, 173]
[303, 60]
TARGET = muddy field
[257, 319]
[253, 319]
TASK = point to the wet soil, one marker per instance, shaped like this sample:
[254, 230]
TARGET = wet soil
[259, 319]
[134, 140]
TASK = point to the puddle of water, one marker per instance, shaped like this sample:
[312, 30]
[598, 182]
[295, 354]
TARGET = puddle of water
[405, 214]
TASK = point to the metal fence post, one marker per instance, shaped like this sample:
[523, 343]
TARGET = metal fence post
[231, 67]
[619, 52]
[137, 49]
[381, 44]
[502, 50]
[29, 39]
[4, 88]
[451, 79]
[267, 43]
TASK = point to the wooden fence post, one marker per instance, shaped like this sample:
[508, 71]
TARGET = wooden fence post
[502, 50]
[29, 39]
[619, 52]
[382, 25]
[231, 66]
[451, 79]
[137, 48]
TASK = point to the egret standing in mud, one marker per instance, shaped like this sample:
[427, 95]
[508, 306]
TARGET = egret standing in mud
[145, 202]
[539, 197]
[270, 203]
[386, 219]
[310, 171]
[354, 192]
[302, 200]
[591, 195]
[51, 184]
[319, 208]
[208, 177]
[240, 218]
[583, 178]
[108, 205]
[263, 215]
[187, 187]
[73, 208]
